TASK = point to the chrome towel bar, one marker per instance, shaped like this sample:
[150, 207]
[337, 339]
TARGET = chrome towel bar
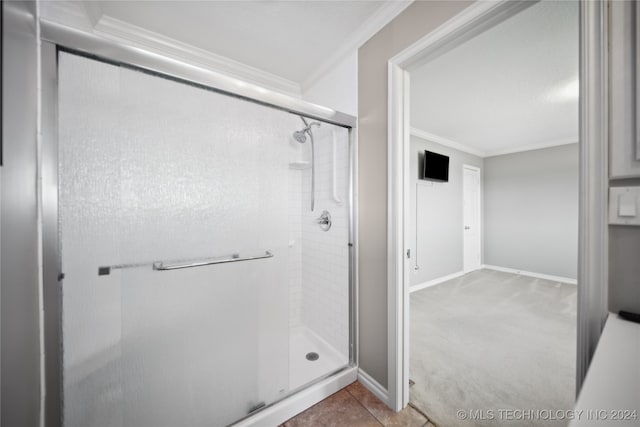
[175, 265]
[160, 266]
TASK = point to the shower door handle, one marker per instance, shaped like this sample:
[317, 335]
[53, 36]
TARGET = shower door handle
[105, 270]
[160, 266]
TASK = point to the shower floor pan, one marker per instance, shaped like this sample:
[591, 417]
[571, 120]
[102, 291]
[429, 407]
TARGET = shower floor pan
[302, 370]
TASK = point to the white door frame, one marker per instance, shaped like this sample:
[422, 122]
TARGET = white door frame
[593, 229]
[475, 169]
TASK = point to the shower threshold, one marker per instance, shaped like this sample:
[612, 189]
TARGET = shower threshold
[291, 406]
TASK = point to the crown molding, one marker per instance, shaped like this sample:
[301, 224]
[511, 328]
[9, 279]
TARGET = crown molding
[531, 147]
[490, 153]
[446, 142]
[70, 13]
[94, 11]
[133, 34]
[89, 17]
[385, 14]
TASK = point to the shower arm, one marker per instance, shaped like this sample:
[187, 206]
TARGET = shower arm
[313, 161]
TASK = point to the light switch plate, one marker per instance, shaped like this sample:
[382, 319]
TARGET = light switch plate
[624, 206]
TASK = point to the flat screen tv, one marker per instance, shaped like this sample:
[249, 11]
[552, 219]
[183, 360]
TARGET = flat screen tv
[435, 167]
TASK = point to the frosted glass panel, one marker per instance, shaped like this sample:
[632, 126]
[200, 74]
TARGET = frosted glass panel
[202, 346]
[154, 170]
[90, 211]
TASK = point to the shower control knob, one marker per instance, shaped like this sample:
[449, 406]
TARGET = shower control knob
[324, 221]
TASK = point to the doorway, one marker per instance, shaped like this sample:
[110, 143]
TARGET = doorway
[515, 103]
[592, 177]
[471, 217]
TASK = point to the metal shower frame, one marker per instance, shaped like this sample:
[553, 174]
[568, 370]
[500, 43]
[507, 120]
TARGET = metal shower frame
[57, 37]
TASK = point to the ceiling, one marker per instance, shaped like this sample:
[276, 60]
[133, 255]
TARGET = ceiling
[288, 42]
[511, 88]
[286, 38]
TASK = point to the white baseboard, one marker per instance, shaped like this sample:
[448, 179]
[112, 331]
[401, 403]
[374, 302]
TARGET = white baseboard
[373, 386]
[436, 281]
[532, 274]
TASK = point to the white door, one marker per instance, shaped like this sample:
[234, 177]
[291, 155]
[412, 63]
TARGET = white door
[471, 217]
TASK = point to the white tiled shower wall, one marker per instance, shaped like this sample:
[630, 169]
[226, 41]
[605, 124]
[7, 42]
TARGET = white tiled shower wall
[319, 260]
[325, 260]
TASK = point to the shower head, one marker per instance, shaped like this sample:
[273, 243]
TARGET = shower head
[301, 135]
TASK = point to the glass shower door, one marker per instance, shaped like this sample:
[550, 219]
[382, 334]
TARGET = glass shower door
[192, 346]
[182, 175]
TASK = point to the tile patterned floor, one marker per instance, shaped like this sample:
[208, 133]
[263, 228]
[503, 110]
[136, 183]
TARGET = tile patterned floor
[355, 406]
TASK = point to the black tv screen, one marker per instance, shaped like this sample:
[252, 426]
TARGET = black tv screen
[435, 167]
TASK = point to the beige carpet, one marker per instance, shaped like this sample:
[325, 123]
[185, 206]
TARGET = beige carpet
[489, 342]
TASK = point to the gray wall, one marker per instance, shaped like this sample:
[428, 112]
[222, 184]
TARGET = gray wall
[531, 211]
[416, 21]
[438, 230]
[20, 366]
[624, 242]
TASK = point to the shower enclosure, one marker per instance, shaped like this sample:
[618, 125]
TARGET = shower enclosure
[198, 285]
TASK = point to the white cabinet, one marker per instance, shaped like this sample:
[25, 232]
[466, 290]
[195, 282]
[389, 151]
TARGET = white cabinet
[624, 126]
